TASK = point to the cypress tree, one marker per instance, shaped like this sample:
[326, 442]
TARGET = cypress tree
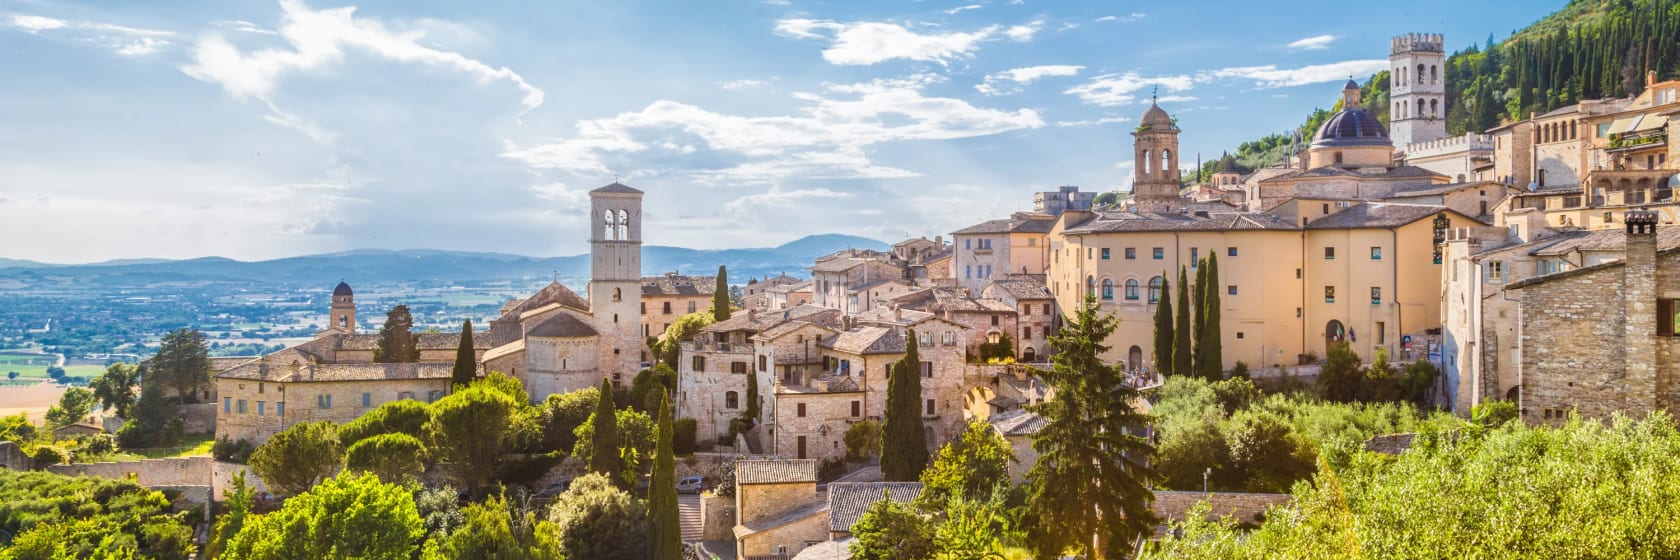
[1197, 297]
[662, 498]
[604, 456]
[720, 296]
[1210, 355]
[904, 451]
[1164, 328]
[751, 412]
[466, 366]
[1181, 328]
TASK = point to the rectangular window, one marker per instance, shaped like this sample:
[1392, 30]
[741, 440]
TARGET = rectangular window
[857, 409]
[1382, 333]
[1160, 253]
[968, 271]
[262, 408]
[1329, 294]
[1376, 253]
[666, 307]
[367, 400]
[1239, 335]
[323, 401]
[927, 370]
[763, 363]
[1131, 253]
[1230, 251]
[994, 320]
[1297, 274]
[1231, 290]
[405, 395]
[698, 363]
[1329, 253]
[1026, 333]
[800, 410]
[280, 410]
[1496, 270]
[968, 243]
[241, 406]
[1666, 317]
[227, 405]
[988, 271]
[691, 307]
[1376, 295]
[1192, 257]
[930, 407]
[1105, 253]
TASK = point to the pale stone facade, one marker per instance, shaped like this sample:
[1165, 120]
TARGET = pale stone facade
[998, 248]
[1417, 88]
[1035, 313]
[777, 507]
[669, 296]
[1067, 197]
[845, 280]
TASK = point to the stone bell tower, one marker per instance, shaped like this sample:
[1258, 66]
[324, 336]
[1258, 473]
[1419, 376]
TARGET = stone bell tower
[1417, 89]
[1155, 170]
[342, 315]
[615, 277]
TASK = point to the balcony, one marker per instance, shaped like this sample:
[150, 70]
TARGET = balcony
[1639, 140]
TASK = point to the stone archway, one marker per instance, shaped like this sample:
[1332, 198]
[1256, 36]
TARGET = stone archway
[1029, 355]
[1134, 358]
[1334, 333]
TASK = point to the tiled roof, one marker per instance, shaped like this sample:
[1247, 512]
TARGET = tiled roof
[848, 500]
[617, 187]
[562, 325]
[227, 362]
[1022, 288]
[1016, 423]
[840, 549]
[866, 340]
[517, 346]
[422, 341]
[775, 471]
[678, 285]
[788, 327]
[1167, 221]
[259, 371]
[1376, 215]
[1019, 223]
[1397, 172]
[891, 316]
[553, 293]
[788, 288]
[1431, 190]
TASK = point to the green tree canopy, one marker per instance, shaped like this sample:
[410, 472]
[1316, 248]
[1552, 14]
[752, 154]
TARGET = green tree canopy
[890, 530]
[299, 457]
[405, 416]
[466, 358]
[154, 421]
[667, 348]
[182, 363]
[73, 406]
[1164, 329]
[600, 442]
[344, 517]
[596, 519]
[1210, 348]
[55, 516]
[662, 491]
[973, 466]
[720, 296]
[469, 432]
[1182, 348]
[115, 388]
[396, 458]
[634, 433]
[561, 414]
[495, 528]
[396, 338]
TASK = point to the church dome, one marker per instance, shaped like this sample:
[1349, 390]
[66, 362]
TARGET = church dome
[1155, 115]
[342, 289]
[1351, 127]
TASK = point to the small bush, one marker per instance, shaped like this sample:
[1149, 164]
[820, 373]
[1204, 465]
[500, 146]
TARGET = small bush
[232, 451]
[526, 471]
[684, 433]
[1240, 370]
[48, 455]
[831, 469]
[98, 444]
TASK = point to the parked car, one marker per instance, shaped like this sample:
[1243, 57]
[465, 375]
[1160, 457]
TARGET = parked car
[691, 485]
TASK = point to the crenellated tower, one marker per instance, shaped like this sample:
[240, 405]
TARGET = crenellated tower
[1417, 89]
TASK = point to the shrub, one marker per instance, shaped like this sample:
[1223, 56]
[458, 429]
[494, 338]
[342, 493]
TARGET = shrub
[863, 440]
[596, 520]
[98, 444]
[1240, 369]
[684, 434]
[44, 455]
[232, 451]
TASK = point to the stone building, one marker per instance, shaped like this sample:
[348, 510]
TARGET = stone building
[1066, 197]
[756, 295]
[847, 280]
[714, 367]
[1417, 88]
[1018, 428]
[986, 320]
[789, 295]
[669, 296]
[1600, 339]
[995, 248]
[1035, 313]
[778, 509]
[1351, 157]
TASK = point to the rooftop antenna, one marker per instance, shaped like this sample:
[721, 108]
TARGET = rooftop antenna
[557, 275]
[1153, 93]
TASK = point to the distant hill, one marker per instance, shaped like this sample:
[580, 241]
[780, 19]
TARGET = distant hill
[378, 266]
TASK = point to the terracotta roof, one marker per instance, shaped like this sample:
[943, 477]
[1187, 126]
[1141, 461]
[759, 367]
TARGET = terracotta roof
[1019, 223]
[848, 500]
[1377, 215]
[618, 188]
[805, 511]
[678, 285]
[840, 549]
[514, 347]
[1016, 423]
[562, 325]
[788, 327]
[866, 340]
[1431, 190]
[1397, 172]
[775, 471]
[553, 293]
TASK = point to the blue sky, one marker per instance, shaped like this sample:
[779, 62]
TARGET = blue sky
[260, 129]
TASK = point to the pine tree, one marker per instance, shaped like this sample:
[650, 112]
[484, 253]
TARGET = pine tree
[1181, 328]
[1164, 328]
[904, 452]
[604, 457]
[1090, 477]
[720, 296]
[396, 338]
[466, 359]
[662, 498]
[1209, 352]
[1197, 298]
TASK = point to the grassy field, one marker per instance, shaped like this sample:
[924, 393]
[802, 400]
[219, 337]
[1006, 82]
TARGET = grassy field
[41, 371]
[191, 446]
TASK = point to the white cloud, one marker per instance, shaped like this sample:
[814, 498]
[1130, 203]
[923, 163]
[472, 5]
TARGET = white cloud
[1313, 43]
[1094, 122]
[738, 85]
[1024, 33]
[954, 11]
[830, 137]
[865, 43]
[318, 41]
[1134, 16]
[1009, 81]
[120, 39]
[1175, 99]
[777, 197]
[245, 26]
[1270, 76]
[1109, 90]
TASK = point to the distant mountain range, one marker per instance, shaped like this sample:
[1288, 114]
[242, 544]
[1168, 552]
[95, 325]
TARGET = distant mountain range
[375, 266]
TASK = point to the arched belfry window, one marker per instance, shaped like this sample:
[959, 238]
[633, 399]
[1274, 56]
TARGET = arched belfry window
[1144, 163]
[618, 294]
[623, 225]
[609, 230]
[1166, 163]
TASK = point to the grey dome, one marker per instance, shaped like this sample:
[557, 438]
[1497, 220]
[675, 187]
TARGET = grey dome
[1351, 127]
[343, 289]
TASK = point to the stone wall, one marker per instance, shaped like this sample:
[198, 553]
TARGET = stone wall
[221, 479]
[1392, 444]
[12, 457]
[200, 418]
[717, 518]
[183, 471]
[1240, 507]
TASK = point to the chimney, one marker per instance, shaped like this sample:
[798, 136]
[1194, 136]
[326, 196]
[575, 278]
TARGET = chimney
[898, 314]
[1650, 78]
[1639, 305]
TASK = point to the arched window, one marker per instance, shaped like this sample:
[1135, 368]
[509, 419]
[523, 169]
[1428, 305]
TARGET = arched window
[1572, 130]
[731, 400]
[1145, 162]
[1434, 105]
[1155, 289]
[1420, 74]
[1108, 289]
[1434, 77]
[608, 233]
[623, 225]
[618, 294]
[1090, 286]
[1131, 289]
[1420, 111]
[343, 321]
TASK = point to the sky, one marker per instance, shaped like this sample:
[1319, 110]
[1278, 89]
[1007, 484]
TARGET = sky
[257, 129]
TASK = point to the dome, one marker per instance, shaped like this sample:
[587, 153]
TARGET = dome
[1155, 115]
[1350, 85]
[1351, 127]
[342, 290]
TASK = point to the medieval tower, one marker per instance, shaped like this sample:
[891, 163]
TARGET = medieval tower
[1155, 170]
[615, 277]
[1417, 89]
[342, 316]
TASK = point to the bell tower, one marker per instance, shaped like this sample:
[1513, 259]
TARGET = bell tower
[615, 277]
[1417, 89]
[342, 316]
[1155, 170]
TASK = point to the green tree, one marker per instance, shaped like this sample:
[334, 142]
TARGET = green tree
[344, 517]
[863, 440]
[1181, 330]
[54, 516]
[395, 458]
[635, 441]
[973, 466]
[115, 388]
[1164, 329]
[595, 519]
[496, 529]
[299, 457]
[667, 347]
[182, 363]
[1382, 383]
[155, 420]
[468, 432]
[662, 491]
[1340, 380]
[1209, 348]
[904, 450]
[752, 411]
[72, 407]
[651, 384]
[240, 499]
[1263, 447]
[604, 458]
[1198, 319]
[405, 416]
[1090, 476]
[396, 338]
[466, 359]
[17, 428]
[720, 296]
[561, 415]
[889, 530]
